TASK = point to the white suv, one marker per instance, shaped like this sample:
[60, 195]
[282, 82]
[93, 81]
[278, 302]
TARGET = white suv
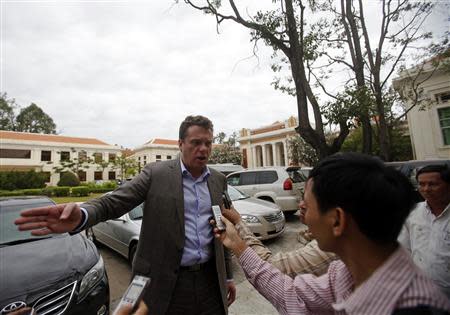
[281, 185]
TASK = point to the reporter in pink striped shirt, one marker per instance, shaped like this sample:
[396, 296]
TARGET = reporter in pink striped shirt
[356, 207]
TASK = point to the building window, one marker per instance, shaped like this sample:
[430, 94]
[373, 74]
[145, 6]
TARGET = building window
[139, 158]
[82, 156]
[158, 157]
[98, 175]
[15, 154]
[444, 121]
[82, 176]
[111, 157]
[98, 157]
[46, 175]
[169, 157]
[443, 98]
[46, 156]
[112, 175]
[65, 156]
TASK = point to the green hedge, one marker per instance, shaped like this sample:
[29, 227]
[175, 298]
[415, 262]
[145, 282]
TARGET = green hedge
[100, 190]
[61, 191]
[15, 180]
[80, 191]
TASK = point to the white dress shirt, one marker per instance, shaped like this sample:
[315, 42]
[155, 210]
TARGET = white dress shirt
[427, 238]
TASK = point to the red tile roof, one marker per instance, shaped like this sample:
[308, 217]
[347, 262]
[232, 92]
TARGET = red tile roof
[48, 138]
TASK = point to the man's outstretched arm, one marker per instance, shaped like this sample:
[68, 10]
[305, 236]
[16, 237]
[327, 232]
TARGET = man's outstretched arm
[52, 219]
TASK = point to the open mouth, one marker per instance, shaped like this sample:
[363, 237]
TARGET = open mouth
[201, 158]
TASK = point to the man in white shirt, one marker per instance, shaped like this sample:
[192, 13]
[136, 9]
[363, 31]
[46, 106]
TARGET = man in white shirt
[426, 233]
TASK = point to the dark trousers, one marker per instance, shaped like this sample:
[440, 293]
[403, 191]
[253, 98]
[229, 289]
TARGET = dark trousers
[197, 292]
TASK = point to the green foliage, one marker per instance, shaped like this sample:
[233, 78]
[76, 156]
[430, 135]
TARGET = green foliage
[21, 180]
[61, 191]
[80, 191]
[401, 144]
[33, 192]
[34, 119]
[300, 152]
[7, 118]
[127, 166]
[227, 152]
[68, 179]
[100, 189]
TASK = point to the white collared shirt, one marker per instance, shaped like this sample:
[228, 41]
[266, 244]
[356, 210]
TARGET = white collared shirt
[427, 238]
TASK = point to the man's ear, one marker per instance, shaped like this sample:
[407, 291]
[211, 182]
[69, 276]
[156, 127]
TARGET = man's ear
[179, 143]
[339, 221]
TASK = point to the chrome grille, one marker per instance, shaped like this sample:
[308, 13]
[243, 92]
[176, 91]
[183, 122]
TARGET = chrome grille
[56, 302]
[274, 217]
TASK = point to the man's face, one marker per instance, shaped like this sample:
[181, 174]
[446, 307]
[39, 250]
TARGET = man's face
[432, 188]
[196, 149]
[314, 219]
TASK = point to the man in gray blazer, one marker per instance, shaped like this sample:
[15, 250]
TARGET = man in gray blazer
[189, 269]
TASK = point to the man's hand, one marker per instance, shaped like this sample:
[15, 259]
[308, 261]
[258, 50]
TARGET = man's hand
[127, 309]
[52, 219]
[230, 237]
[231, 292]
[232, 215]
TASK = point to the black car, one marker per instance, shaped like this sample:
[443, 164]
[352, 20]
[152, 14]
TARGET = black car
[55, 274]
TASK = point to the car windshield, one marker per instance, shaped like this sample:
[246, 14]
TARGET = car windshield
[298, 175]
[9, 212]
[236, 194]
[136, 213]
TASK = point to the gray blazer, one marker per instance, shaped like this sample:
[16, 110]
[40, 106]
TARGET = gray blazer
[162, 236]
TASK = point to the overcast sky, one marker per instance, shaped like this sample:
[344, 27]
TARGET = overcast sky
[125, 72]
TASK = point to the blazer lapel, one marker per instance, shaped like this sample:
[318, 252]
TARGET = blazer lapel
[177, 180]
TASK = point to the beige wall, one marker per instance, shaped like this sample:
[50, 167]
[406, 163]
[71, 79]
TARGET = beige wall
[425, 130]
[148, 153]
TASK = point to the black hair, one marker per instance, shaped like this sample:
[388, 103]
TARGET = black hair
[442, 169]
[377, 197]
[194, 121]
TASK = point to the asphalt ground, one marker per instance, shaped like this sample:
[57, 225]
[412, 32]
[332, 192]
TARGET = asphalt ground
[248, 300]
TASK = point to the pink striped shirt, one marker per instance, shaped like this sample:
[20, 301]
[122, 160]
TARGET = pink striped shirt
[398, 283]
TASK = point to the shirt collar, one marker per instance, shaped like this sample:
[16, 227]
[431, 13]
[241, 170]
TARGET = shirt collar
[382, 290]
[428, 209]
[206, 172]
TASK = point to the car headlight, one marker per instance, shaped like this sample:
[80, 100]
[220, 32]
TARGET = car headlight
[91, 278]
[247, 218]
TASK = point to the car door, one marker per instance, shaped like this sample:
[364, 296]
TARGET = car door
[246, 183]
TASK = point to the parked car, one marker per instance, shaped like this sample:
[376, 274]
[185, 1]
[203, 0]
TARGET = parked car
[410, 168]
[283, 186]
[226, 168]
[54, 274]
[265, 220]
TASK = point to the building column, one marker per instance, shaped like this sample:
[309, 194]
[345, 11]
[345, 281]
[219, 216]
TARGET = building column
[276, 154]
[284, 148]
[253, 162]
[264, 152]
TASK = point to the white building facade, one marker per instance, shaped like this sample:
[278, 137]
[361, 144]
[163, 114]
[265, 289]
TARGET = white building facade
[268, 145]
[429, 126]
[21, 151]
[156, 150]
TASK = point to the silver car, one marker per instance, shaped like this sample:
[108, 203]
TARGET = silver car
[265, 220]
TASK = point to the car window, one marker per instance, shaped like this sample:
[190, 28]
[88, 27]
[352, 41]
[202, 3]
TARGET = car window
[8, 214]
[298, 175]
[248, 178]
[233, 180]
[236, 194]
[136, 213]
[267, 177]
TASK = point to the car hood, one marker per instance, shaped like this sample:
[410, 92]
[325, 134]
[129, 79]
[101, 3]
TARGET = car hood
[255, 206]
[31, 267]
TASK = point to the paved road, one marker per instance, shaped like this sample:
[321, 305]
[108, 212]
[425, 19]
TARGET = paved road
[248, 301]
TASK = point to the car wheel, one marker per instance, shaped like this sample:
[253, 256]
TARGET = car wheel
[90, 235]
[132, 253]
